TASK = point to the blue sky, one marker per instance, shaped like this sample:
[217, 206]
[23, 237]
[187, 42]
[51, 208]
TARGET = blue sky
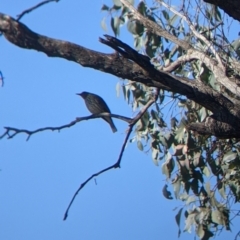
[38, 177]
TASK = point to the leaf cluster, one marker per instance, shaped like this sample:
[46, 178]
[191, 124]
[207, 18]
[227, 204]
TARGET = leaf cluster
[202, 170]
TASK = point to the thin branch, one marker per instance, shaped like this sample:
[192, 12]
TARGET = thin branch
[155, 27]
[237, 235]
[179, 61]
[211, 29]
[117, 164]
[217, 69]
[19, 16]
[195, 32]
[9, 130]
[1, 78]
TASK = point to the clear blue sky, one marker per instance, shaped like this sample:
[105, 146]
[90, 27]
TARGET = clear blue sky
[39, 177]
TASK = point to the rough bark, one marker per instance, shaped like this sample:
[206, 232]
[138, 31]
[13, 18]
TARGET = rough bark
[231, 7]
[129, 64]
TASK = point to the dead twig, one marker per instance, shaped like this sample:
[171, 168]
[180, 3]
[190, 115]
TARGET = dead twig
[117, 164]
[12, 132]
[19, 16]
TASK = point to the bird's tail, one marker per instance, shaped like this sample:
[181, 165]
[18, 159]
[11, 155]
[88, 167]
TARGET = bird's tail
[110, 122]
[113, 127]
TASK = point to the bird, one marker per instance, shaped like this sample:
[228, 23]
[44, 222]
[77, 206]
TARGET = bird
[95, 105]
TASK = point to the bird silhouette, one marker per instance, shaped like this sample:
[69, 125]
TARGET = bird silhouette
[95, 105]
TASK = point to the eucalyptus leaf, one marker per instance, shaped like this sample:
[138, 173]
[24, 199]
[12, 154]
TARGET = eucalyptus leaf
[178, 220]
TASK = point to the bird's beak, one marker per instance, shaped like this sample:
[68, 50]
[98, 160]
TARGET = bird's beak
[78, 94]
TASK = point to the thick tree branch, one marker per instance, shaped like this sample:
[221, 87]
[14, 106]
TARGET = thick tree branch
[181, 85]
[231, 7]
[118, 162]
[11, 132]
[216, 128]
[217, 69]
[20, 35]
[129, 65]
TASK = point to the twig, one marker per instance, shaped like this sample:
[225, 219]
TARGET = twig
[237, 235]
[179, 61]
[19, 16]
[117, 164]
[157, 29]
[211, 29]
[1, 78]
[195, 32]
[79, 119]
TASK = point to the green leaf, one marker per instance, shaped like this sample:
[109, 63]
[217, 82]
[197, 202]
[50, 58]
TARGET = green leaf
[196, 158]
[117, 3]
[118, 89]
[173, 19]
[213, 83]
[180, 149]
[200, 231]
[221, 190]
[140, 146]
[177, 186]
[142, 8]
[179, 134]
[191, 199]
[103, 24]
[189, 222]
[165, 14]
[206, 171]
[178, 220]
[126, 93]
[168, 165]
[155, 153]
[166, 193]
[135, 28]
[115, 24]
[174, 122]
[194, 186]
[229, 156]
[131, 26]
[104, 7]
[202, 114]
[184, 196]
[217, 217]
[163, 141]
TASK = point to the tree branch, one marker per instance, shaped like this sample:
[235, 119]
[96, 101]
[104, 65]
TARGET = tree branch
[20, 35]
[118, 162]
[217, 69]
[155, 28]
[231, 7]
[137, 68]
[178, 62]
[72, 123]
[195, 32]
[19, 16]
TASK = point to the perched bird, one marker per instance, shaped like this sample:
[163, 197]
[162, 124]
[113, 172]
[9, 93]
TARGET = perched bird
[95, 105]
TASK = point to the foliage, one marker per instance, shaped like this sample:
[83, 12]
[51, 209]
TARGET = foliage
[203, 170]
[191, 140]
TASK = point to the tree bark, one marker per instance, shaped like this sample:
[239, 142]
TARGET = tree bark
[231, 7]
[129, 64]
